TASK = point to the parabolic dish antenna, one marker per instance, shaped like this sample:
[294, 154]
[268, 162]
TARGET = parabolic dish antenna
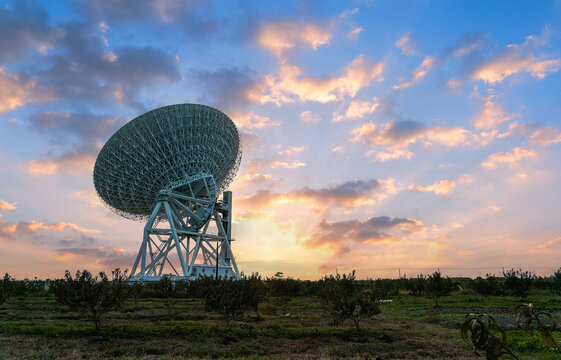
[168, 167]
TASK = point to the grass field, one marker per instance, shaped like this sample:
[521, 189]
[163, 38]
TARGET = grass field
[36, 327]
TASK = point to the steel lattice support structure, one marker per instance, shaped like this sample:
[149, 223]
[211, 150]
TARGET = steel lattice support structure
[177, 234]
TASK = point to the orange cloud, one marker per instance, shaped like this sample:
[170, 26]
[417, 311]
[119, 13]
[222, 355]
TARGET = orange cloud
[309, 118]
[406, 45]
[546, 136]
[280, 36]
[353, 34]
[76, 160]
[490, 116]
[340, 235]
[512, 158]
[357, 109]
[418, 74]
[4, 205]
[398, 135]
[546, 247]
[251, 120]
[292, 150]
[15, 91]
[443, 187]
[7, 230]
[290, 83]
[515, 59]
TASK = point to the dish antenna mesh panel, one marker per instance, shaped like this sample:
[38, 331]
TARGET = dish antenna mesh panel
[168, 167]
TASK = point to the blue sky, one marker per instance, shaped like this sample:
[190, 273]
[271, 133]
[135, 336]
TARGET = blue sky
[412, 134]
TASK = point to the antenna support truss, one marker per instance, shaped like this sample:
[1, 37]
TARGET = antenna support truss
[188, 234]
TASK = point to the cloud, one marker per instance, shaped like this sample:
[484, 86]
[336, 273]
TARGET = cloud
[290, 84]
[418, 74]
[277, 37]
[517, 58]
[287, 164]
[17, 90]
[407, 45]
[251, 141]
[291, 150]
[8, 230]
[546, 247]
[228, 88]
[443, 187]
[512, 158]
[251, 120]
[353, 34]
[546, 136]
[23, 27]
[85, 126]
[74, 160]
[309, 118]
[257, 165]
[348, 194]
[397, 135]
[339, 235]
[4, 205]
[491, 115]
[357, 109]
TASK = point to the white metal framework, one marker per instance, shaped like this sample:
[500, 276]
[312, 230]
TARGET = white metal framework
[178, 235]
[168, 166]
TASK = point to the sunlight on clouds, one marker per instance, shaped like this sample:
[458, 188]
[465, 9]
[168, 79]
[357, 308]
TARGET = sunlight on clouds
[353, 34]
[406, 44]
[4, 205]
[291, 150]
[290, 82]
[16, 91]
[284, 35]
[546, 136]
[357, 109]
[491, 115]
[443, 187]
[418, 74]
[287, 165]
[251, 120]
[546, 247]
[515, 59]
[512, 158]
[309, 118]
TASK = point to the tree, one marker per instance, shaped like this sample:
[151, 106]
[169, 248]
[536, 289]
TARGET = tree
[437, 286]
[518, 282]
[485, 287]
[170, 290]
[349, 301]
[416, 286]
[10, 288]
[92, 296]
[135, 289]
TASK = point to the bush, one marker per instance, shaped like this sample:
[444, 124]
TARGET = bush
[91, 296]
[349, 301]
[416, 286]
[232, 298]
[437, 286]
[10, 288]
[486, 287]
[170, 290]
[517, 282]
[386, 288]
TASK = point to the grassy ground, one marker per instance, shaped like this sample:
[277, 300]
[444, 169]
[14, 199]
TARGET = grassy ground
[35, 327]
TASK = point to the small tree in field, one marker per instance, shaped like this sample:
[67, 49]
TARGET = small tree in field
[170, 290]
[486, 287]
[349, 301]
[437, 286]
[518, 282]
[89, 295]
[10, 288]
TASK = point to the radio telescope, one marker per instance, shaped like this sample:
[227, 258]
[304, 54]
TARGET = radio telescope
[168, 167]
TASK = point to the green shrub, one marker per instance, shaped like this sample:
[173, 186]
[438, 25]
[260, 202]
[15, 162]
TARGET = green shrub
[437, 286]
[10, 288]
[518, 282]
[91, 296]
[349, 300]
[486, 287]
[416, 286]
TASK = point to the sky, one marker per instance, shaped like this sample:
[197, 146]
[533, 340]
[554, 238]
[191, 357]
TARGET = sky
[377, 135]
